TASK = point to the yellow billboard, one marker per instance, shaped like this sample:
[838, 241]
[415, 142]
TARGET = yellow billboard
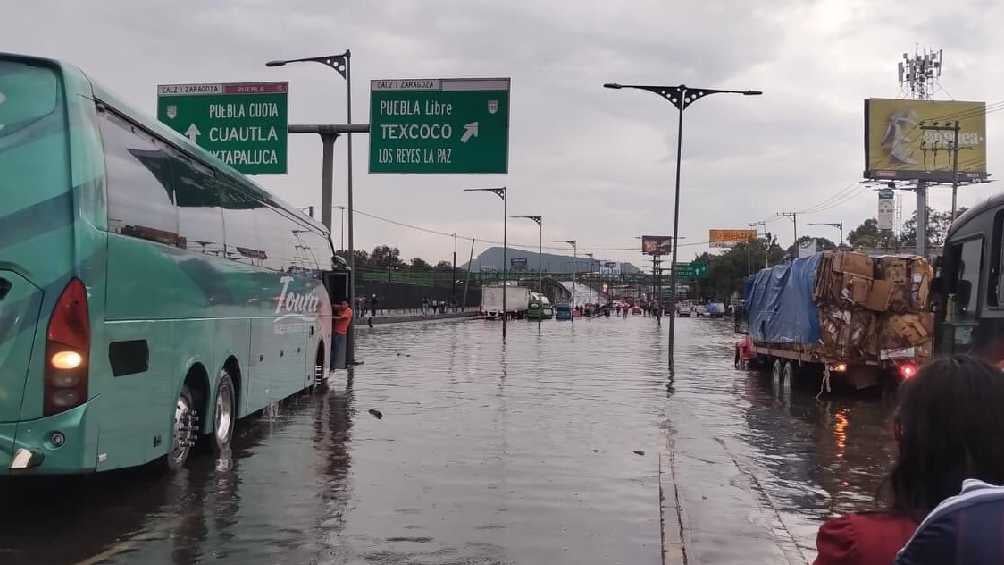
[914, 139]
[729, 238]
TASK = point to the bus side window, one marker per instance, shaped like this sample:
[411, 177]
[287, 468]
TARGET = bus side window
[140, 201]
[200, 212]
[241, 237]
[277, 238]
[994, 277]
[965, 286]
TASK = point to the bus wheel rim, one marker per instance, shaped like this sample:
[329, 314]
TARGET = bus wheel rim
[224, 413]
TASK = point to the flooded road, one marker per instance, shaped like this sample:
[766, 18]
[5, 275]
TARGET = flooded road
[544, 451]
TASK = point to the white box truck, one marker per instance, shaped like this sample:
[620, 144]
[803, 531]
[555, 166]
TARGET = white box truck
[517, 301]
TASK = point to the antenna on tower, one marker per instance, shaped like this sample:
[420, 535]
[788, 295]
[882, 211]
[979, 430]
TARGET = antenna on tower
[919, 73]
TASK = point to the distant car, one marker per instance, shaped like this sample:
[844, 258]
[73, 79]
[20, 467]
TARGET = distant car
[700, 310]
[562, 312]
[636, 310]
[683, 312]
[715, 310]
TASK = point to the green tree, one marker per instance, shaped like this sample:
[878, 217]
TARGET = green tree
[937, 228]
[444, 265]
[419, 264]
[384, 256]
[869, 236]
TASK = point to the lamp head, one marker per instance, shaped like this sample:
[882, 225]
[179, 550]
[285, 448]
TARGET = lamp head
[752, 92]
[275, 64]
[612, 85]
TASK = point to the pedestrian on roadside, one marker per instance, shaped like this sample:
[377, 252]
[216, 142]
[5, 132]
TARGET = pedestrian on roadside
[948, 428]
[373, 305]
[342, 321]
[425, 305]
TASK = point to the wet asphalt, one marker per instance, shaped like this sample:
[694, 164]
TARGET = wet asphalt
[446, 447]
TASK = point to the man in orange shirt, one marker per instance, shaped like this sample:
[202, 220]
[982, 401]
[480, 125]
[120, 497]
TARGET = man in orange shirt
[343, 318]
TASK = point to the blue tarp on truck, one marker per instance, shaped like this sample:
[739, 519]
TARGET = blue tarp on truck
[779, 303]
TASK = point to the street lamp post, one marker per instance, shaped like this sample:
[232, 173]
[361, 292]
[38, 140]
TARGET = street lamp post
[342, 64]
[573, 243]
[500, 192]
[682, 97]
[341, 229]
[540, 249]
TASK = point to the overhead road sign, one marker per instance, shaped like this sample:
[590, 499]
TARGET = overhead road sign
[242, 123]
[439, 126]
[897, 147]
[729, 238]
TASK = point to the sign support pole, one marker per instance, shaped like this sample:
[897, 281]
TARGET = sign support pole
[327, 170]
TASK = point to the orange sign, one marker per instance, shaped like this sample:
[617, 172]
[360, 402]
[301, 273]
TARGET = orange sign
[729, 238]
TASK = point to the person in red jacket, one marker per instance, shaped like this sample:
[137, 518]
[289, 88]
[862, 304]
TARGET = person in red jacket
[948, 426]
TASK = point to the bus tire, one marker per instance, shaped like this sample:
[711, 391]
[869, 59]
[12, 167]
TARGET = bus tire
[224, 412]
[184, 431]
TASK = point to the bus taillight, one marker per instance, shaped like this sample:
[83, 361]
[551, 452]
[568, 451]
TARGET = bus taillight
[67, 344]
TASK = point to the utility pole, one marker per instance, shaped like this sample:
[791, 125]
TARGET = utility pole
[794, 225]
[453, 291]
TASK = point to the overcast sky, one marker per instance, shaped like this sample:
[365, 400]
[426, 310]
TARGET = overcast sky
[597, 164]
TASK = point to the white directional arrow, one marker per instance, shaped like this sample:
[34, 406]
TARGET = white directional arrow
[193, 133]
[470, 130]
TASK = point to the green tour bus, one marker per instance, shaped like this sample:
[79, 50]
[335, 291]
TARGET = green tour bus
[149, 294]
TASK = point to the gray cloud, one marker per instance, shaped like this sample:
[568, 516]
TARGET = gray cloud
[597, 164]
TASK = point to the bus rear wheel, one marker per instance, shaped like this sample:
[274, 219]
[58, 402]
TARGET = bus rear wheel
[224, 412]
[183, 431]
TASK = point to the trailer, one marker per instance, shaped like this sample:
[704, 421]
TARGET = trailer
[517, 301]
[848, 317]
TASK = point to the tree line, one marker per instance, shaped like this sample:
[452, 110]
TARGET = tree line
[385, 257]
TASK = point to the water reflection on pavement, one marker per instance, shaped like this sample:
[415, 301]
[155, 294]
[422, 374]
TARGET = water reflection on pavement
[484, 454]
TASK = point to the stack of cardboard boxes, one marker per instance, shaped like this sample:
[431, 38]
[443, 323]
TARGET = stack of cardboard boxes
[874, 308]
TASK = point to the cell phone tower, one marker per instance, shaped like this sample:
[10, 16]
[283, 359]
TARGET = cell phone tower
[918, 74]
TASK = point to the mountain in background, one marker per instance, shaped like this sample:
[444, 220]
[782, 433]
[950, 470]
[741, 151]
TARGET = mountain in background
[491, 259]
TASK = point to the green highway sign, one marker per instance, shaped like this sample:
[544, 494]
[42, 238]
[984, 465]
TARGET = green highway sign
[683, 270]
[244, 124]
[439, 126]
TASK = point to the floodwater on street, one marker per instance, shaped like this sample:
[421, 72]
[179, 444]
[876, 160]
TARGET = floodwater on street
[545, 450]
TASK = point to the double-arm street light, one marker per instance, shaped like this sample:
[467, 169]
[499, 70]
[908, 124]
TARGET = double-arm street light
[500, 192]
[342, 64]
[682, 97]
[838, 225]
